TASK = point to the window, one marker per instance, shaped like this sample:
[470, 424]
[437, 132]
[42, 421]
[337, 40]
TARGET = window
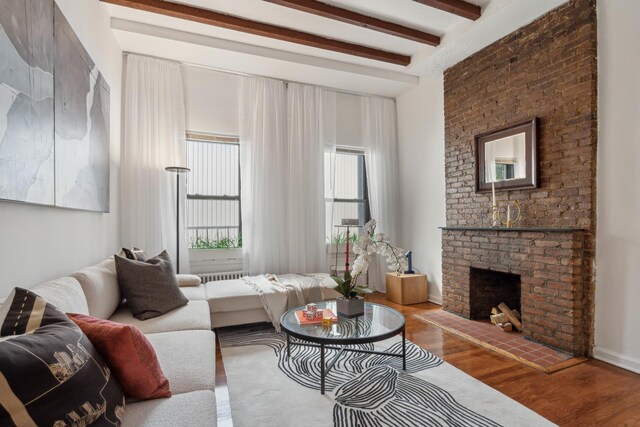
[345, 172]
[213, 192]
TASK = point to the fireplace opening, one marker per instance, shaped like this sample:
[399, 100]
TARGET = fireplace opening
[489, 288]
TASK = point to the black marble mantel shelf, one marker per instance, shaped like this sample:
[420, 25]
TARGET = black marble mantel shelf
[533, 229]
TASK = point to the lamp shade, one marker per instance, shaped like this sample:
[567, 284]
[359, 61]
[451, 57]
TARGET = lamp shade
[177, 169]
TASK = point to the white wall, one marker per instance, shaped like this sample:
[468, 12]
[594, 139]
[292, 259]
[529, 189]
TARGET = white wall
[422, 192]
[41, 243]
[618, 232]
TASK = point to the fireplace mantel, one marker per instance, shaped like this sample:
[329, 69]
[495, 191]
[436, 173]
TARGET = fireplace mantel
[519, 229]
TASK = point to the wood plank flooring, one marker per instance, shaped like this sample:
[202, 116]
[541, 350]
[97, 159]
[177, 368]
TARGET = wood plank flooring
[593, 393]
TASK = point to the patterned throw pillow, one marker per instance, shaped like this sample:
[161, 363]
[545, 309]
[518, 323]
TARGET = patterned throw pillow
[50, 373]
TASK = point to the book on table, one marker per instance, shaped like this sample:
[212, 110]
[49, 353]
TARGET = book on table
[302, 319]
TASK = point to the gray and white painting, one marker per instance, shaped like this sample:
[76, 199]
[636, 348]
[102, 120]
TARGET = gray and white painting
[54, 111]
[26, 101]
[81, 124]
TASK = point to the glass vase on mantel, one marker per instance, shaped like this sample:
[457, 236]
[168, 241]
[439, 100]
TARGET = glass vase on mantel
[350, 303]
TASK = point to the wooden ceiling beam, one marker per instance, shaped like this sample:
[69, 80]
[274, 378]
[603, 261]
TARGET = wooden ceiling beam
[358, 19]
[210, 17]
[457, 7]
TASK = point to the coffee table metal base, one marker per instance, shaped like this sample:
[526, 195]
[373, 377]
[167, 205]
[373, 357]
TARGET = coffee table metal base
[325, 371]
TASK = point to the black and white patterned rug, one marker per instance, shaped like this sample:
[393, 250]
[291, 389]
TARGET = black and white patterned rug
[364, 390]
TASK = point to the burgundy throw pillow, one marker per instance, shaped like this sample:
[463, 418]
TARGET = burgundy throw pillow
[129, 354]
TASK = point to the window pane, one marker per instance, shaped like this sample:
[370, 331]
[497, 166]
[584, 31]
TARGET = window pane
[213, 223]
[214, 169]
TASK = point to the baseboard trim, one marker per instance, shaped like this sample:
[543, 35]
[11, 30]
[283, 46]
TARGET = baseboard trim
[620, 360]
[436, 299]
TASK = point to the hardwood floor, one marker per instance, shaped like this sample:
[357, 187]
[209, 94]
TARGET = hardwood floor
[592, 393]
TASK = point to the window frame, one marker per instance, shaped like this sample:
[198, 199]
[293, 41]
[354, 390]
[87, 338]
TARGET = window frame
[364, 210]
[217, 139]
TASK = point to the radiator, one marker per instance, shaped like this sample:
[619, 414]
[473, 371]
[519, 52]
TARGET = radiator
[223, 275]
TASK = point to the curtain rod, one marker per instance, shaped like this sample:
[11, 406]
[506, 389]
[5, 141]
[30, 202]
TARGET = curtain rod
[239, 73]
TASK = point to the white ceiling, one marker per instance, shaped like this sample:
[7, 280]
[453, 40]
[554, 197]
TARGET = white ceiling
[200, 44]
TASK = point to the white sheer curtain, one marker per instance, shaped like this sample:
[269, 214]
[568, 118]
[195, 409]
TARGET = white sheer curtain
[283, 129]
[379, 138]
[154, 138]
[310, 114]
[263, 170]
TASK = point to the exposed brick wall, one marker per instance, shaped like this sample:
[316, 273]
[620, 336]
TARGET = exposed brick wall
[547, 69]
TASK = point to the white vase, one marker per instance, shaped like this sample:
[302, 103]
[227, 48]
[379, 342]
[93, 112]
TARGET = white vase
[350, 307]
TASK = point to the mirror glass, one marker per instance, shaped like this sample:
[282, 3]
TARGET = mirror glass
[505, 158]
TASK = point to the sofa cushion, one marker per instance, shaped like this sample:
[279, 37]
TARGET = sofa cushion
[232, 295]
[186, 280]
[65, 294]
[187, 358]
[195, 409]
[232, 318]
[194, 292]
[50, 373]
[150, 287]
[129, 354]
[100, 285]
[194, 315]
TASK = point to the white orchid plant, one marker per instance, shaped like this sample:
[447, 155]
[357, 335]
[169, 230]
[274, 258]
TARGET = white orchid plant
[369, 244]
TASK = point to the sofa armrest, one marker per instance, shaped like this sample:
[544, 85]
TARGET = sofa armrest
[185, 280]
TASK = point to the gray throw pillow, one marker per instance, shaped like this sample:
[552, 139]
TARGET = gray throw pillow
[150, 287]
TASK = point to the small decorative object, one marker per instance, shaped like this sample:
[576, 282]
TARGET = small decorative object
[312, 307]
[349, 304]
[513, 215]
[301, 316]
[309, 315]
[346, 223]
[327, 322]
[409, 256]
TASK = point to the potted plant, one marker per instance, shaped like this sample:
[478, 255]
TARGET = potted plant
[350, 303]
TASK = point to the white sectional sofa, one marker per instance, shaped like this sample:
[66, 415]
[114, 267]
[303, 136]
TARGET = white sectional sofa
[183, 338]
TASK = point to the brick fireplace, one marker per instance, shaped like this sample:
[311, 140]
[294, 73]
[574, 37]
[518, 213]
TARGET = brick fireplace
[548, 70]
[540, 268]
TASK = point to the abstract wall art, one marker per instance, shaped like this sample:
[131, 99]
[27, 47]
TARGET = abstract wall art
[26, 101]
[81, 124]
[54, 111]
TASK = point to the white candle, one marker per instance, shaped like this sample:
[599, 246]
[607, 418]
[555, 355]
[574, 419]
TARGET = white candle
[493, 192]
[508, 214]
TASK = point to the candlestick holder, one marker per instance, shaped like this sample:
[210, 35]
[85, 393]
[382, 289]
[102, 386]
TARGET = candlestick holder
[509, 220]
[494, 216]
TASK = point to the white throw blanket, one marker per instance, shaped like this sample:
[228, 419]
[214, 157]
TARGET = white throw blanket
[281, 293]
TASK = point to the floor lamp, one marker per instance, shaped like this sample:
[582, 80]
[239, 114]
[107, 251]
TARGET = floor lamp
[178, 170]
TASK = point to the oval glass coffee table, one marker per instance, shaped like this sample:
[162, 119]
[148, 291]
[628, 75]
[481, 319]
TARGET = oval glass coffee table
[378, 323]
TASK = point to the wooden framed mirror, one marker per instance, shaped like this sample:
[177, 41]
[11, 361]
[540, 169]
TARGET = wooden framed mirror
[507, 157]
